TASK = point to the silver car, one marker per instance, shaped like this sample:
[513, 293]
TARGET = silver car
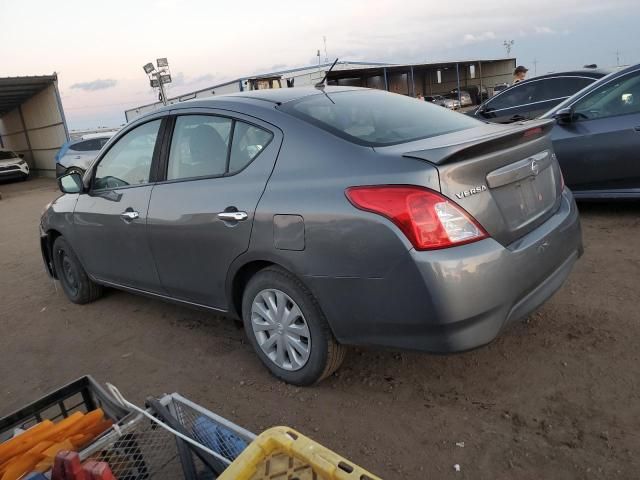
[77, 155]
[322, 218]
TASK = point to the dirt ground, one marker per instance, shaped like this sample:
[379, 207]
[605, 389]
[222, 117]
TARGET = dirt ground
[557, 396]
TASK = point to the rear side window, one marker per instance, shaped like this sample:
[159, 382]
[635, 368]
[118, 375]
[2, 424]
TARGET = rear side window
[375, 118]
[199, 146]
[209, 146]
[561, 87]
[248, 142]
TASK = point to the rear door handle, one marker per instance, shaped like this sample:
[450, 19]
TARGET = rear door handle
[129, 215]
[233, 216]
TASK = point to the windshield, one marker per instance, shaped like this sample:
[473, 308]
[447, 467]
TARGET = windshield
[7, 155]
[376, 118]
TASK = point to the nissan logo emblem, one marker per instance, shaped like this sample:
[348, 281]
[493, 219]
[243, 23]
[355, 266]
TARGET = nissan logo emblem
[534, 167]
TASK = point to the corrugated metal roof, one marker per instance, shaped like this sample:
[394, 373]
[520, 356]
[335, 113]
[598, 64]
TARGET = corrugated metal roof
[17, 90]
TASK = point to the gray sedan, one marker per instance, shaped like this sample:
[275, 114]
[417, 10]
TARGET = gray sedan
[322, 218]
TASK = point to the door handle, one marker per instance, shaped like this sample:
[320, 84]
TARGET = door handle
[129, 215]
[233, 216]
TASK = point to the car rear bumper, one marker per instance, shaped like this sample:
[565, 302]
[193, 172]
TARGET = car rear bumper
[455, 299]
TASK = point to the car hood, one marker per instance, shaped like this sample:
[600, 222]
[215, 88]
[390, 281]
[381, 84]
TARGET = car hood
[10, 161]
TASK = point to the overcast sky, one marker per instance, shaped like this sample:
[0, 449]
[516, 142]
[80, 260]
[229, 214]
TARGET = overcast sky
[98, 48]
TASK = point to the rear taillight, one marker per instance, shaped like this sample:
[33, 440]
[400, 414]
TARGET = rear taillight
[428, 219]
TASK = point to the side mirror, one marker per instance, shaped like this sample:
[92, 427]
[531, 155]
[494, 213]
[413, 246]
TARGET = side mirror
[21, 155]
[70, 183]
[564, 115]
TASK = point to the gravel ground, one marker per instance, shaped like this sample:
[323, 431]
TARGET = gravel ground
[556, 396]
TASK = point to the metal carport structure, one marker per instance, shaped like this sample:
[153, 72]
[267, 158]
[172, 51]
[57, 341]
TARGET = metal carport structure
[32, 120]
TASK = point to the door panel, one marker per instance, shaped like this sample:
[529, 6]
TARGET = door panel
[600, 154]
[110, 231]
[112, 247]
[193, 247]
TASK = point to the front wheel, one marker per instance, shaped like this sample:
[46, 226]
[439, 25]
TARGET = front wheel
[76, 284]
[288, 330]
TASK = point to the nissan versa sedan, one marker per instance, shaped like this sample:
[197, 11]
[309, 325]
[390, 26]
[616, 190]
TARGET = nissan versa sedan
[322, 217]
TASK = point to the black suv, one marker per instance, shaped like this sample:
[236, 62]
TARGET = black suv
[531, 98]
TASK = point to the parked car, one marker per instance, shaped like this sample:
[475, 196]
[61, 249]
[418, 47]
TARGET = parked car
[464, 98]
[531, 98]
[477, 94]
[323, 218]
[436, 99]
[451, 103]
[597, 137]
[13, 165]
[76, 155]
[499, 87]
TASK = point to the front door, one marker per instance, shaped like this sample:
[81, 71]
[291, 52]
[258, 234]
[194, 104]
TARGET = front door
[110, 221]
[200, 217]
[600, 148]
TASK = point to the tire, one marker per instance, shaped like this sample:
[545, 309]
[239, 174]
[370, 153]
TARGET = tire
[324, 355]
[77, 285]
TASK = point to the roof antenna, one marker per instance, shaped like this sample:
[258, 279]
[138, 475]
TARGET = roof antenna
[320, 84]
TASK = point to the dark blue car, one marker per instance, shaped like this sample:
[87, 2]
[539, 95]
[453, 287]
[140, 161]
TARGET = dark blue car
[597, 137]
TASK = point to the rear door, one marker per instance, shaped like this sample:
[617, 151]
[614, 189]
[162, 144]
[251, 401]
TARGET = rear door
[110, 221]
[600, 148]
[216, 167]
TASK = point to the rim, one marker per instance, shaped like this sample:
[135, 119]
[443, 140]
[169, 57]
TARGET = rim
[69, 273]
[281, 329]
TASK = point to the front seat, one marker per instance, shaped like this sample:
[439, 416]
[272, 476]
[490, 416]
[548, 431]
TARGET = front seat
[208, 153]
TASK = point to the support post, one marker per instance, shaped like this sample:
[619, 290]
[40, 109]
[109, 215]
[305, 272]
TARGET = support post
[386, 82]
[458, 80]
[413, 84]
[26, 136]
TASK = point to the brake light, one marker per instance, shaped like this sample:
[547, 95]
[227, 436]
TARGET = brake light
[428, 219]
[532, 132]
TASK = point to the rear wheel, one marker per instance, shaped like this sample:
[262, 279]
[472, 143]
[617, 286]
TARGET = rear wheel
[76, 284]
[288, 330]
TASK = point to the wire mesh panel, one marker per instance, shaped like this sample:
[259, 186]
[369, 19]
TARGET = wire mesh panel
[143, 451]
[140, 449]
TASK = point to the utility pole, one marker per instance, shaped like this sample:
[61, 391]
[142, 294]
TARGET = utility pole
[535, 67]
[617, 58]
[508, 44]
[326, 57]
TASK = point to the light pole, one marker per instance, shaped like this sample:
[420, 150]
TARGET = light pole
[160, 77]
[508, 44]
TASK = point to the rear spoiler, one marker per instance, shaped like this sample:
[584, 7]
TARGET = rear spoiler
[474, 147]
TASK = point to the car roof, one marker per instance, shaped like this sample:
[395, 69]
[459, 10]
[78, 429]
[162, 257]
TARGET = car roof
[578, 72]
[284, 95]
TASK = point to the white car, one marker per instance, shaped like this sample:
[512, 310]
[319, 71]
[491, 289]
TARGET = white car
[77, 155]
[13, 165]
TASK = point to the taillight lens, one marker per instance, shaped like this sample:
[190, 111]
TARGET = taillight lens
[428, 219]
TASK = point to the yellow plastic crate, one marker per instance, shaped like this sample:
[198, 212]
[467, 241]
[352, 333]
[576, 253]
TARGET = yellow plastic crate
[281, 453]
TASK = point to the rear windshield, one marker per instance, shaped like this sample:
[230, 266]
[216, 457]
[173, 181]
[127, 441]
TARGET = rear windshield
[376, 118]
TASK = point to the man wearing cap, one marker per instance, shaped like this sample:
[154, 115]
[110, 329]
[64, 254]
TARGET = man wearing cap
[519, 74]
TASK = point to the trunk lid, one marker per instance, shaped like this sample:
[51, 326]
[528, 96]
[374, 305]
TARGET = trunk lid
[506, 177]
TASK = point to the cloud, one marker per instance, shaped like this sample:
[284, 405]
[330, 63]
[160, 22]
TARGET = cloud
[544, 30]
[479, 37]
[98, 84]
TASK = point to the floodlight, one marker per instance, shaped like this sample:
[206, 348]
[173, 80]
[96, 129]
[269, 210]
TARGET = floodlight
[154, 83]
[162, 62]
[165, 78]
[148, 68]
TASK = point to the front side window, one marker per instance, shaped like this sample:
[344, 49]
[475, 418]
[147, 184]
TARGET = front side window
[617, 97]
[520, 94]
[199, 147]
[374, 118]
[86, 146]
[128, 161]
